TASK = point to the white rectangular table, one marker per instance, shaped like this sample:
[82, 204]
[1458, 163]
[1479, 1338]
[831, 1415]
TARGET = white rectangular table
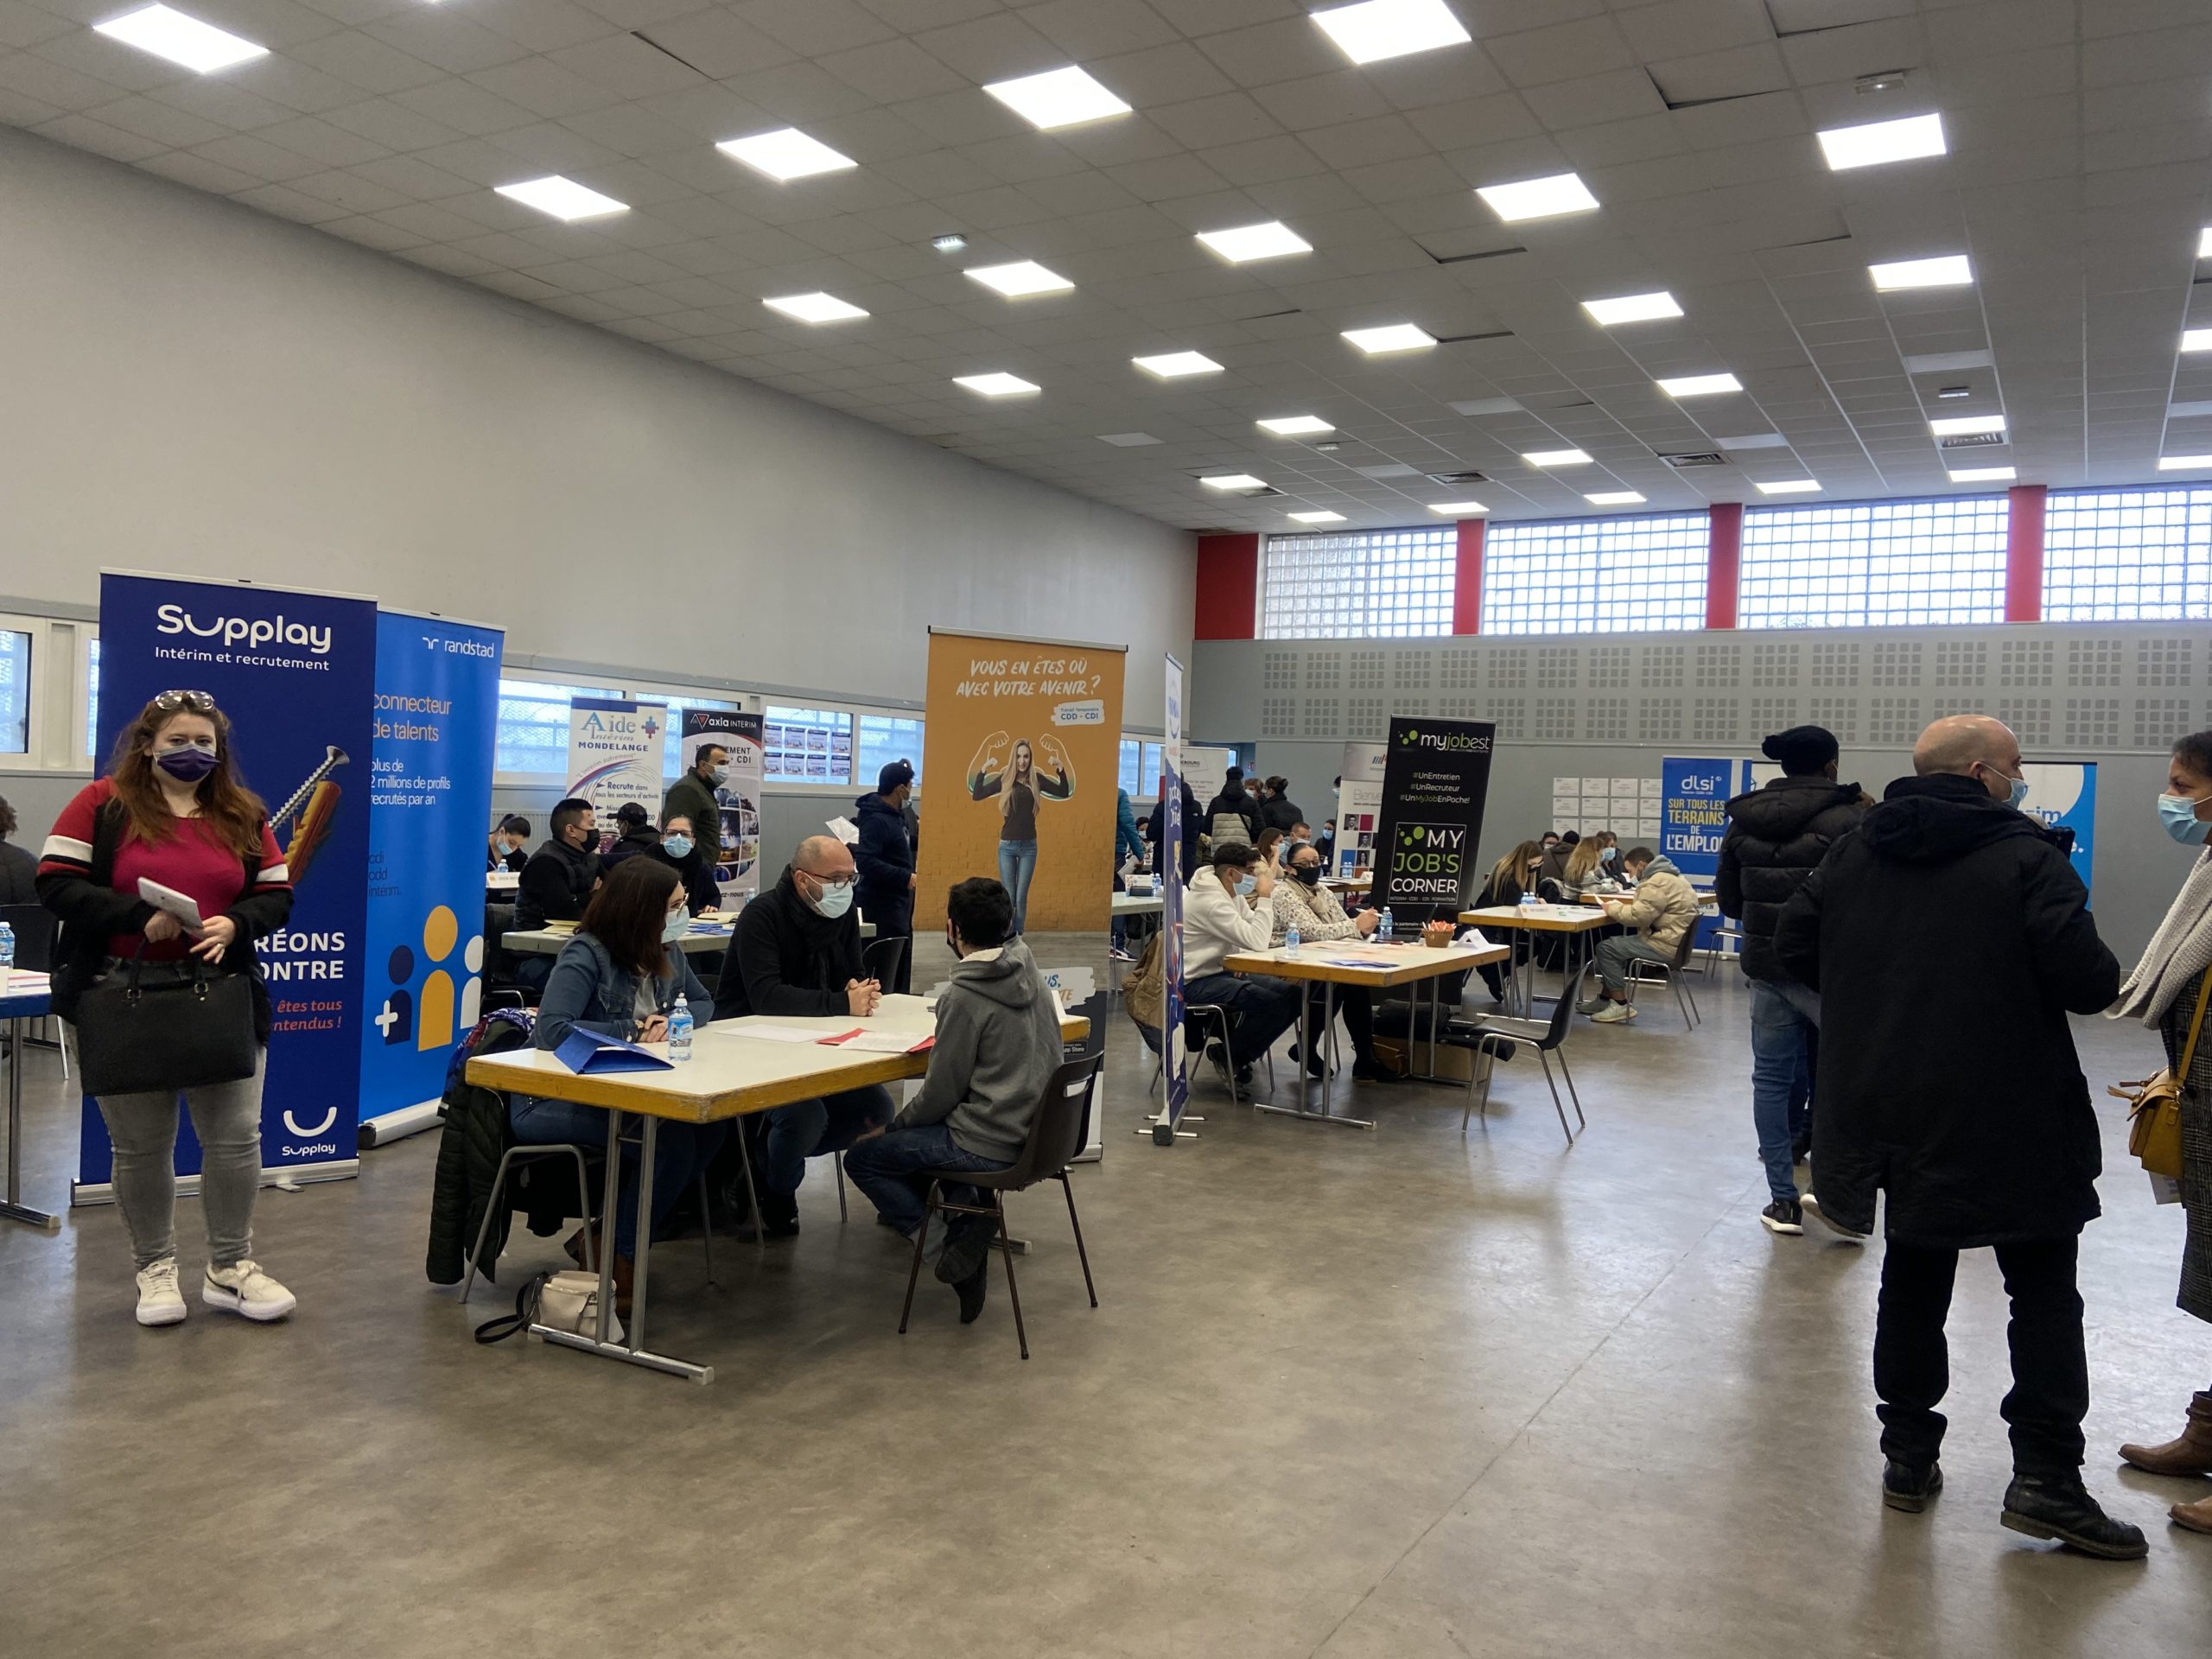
[25, 996]
[549, 941]
[1578, 922]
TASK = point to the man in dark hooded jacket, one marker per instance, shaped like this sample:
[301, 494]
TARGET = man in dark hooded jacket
[885, 857]
[1777, 835]
[1949, 937]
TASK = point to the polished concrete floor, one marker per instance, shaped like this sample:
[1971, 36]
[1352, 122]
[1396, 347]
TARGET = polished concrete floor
[1400, 1394]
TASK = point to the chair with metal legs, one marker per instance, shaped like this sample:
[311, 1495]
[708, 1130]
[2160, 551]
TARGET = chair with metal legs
[1673, 973]
[1198, 1014]
[523, 1157]
[1547, 1038]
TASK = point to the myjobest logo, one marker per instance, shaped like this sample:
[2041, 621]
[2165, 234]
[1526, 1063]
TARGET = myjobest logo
[249, 632]
[1450, 742]
[1429, 858]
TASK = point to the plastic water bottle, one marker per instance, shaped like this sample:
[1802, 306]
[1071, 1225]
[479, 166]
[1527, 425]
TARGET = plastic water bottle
[1389, 931]
[679, 1033]
[7, 951]
[1527, 901]
[1289, 939]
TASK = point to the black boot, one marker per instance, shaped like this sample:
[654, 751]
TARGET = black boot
[1905, 1487]
[779, 1219]
[2060, 1507]
[967, 1247]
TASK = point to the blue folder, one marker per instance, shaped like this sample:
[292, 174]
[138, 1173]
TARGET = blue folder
[588, 1054]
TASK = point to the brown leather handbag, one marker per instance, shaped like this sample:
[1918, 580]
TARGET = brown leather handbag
[2154, 1104]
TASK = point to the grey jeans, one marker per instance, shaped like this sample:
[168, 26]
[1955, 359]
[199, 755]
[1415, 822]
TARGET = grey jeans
[142, 1129]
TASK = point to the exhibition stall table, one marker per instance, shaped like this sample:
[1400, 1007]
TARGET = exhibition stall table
[23, 998]
[502, 883]
[737, 1067]
[1137, 904]
[705, 935]
[1371, 967]
[1578, 922]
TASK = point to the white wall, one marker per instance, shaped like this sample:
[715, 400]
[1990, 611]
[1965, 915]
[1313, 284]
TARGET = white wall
[188, 385]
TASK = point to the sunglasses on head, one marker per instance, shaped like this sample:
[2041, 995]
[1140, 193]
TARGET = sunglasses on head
[199, 702]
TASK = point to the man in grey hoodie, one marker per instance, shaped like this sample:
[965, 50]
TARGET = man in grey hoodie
[998, 1044]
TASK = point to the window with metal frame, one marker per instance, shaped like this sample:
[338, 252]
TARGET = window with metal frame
[807, 746]
[531, 732]
[2127, 555]
[1140, 768]
[1874, 564]
[1365, 584]
[1596, 576]
[883, 739]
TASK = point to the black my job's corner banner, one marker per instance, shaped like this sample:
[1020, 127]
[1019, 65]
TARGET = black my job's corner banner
[1435, 778]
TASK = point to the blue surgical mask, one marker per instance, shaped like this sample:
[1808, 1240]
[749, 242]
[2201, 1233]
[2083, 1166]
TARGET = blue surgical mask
[835, 901]
[2019, 790]
[677, 846]
[678, 924]
[1609, 855]
[2178, 814]
[1246, 885]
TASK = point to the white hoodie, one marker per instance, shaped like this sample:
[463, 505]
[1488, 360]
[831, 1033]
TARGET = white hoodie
[1217, 924]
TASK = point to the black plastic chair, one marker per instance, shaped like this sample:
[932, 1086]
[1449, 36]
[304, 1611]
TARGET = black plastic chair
[1056, 1136]
[36, 930]
[881, 957]
[1196, 1017]
[1547, 1038]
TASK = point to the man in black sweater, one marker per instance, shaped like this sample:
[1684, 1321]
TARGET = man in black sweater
[796, 955]
[556, 883]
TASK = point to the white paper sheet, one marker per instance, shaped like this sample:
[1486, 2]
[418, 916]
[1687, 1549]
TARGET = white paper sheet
[845, 830]
[774, 1033]
[887, 1042]
[182, 906]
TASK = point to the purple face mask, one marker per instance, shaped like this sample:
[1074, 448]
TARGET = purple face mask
[186, 766]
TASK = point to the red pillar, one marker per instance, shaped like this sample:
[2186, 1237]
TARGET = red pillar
[2024, 553]
[1228, 587]
[1724, 563]
[1467, 578]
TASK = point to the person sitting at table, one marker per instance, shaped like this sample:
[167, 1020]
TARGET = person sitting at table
[1511, 877]
[1588, 869]
[633, 833]
[557, 881]
[679, 849]
[1229, 910]
[1665, 908]
[796, 955]
[998, 1044]
[510, 838]
[621, 977]
[1319, 915]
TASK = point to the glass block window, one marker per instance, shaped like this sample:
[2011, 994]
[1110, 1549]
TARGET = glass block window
[886, 738]
[1874, 564]
[807, 746]
[1596, 576]
[532, 733]
[1140, 768]
[2127, 555]
[14, 693]
[1369, 584]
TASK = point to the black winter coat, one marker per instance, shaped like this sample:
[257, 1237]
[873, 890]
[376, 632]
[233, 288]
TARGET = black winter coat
[788, 959]
[885, 858]
[555, 884]
[1949, 937]
[474, 1138]
[1229, 803]
[1279, 812]
[1777, 838]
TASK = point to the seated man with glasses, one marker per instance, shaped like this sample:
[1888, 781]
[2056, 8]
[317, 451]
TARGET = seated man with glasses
[796, 953]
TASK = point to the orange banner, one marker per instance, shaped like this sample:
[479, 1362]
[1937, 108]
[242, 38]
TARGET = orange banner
[1021, 758]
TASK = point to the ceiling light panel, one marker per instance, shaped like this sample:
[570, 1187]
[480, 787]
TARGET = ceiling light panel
[1790, 486]
[1297, 426]
[1874, 143]
[1613, 498]
[1022, 278]
[1174, 365]
[1396, 337]
[1963, 426]
[994, 386]
[1319, 517]
[2204, 243]
[563, 198]
[1699, 385]
[786, 154]
[2197, 340]
[1562, 192]
[1632, 307]
[1058, 97]
[170, 33]
[1269, 241]
[1949, 270]
[1377, 30]
[2185, 463]
[1458, 509]
[1556, 458]
[1983, 475]
[1234, 481]
[815, 308]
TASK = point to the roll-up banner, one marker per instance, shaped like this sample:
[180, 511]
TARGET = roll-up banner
[1694, 794]
[437, 702]
[1359, 805]
[294, 672]
[2064, 795]
[1023, 747]
[1435, 780]
[616, 751]
[737, 865]
[1170, 878]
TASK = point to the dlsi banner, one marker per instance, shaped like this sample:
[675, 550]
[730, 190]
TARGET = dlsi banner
[1435, 781]
[1022, 749]
[437, 702]
[294, 673]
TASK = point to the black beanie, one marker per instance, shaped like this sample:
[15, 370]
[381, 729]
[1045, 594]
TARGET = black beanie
[1801, 750]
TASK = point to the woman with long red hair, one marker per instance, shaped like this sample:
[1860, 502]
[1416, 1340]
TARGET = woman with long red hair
[173, 808]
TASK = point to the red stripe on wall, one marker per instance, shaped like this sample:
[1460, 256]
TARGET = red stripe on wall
[1724, 563]
[1467, 578]
[2024, 553]
[1228, 587]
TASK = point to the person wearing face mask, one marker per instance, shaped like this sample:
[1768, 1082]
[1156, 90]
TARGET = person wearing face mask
[692, 795]
[633, 833]
[1511, 876]
[2163, 994]
[1319, 915]
[622, 976]
[998, 1044]
[1948, 936]
[1587, 871]
[796, 953]
[172, 808]
[1228, 909]
[885, 857]
[679, 849]
[509, 846]
[557, 881]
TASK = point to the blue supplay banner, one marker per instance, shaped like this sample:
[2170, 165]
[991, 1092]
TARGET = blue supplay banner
[437, 701]
[294, 672]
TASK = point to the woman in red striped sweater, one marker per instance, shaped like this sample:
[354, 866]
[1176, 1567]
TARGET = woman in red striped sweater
[172, 808]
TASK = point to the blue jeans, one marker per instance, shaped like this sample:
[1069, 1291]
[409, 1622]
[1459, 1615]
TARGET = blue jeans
[889, 1169]
[806, 1129]
[1260, 1010]
[680, 1152]
[1017, 864]
[1785, 1019]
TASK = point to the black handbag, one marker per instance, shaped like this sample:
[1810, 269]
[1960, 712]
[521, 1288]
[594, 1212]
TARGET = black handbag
[156, 1027]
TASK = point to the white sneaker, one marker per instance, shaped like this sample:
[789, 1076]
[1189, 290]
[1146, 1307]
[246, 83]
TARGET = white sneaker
[160, 1302]
[1811, 1206]
[1613, 1013]
[247, 1289]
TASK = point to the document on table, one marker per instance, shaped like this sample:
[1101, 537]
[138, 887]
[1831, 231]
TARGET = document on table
[886, 1042]
[769, 1033]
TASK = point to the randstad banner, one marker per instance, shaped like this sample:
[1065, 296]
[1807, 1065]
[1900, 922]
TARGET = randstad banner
[437, 700]
[1435, 781]
[294, 673]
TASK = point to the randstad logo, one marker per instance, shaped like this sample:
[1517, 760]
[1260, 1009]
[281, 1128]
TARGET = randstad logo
[250, 632]
[1450, 742]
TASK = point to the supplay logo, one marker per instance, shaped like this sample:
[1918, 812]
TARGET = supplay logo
[250, 632]
[1449, 742]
